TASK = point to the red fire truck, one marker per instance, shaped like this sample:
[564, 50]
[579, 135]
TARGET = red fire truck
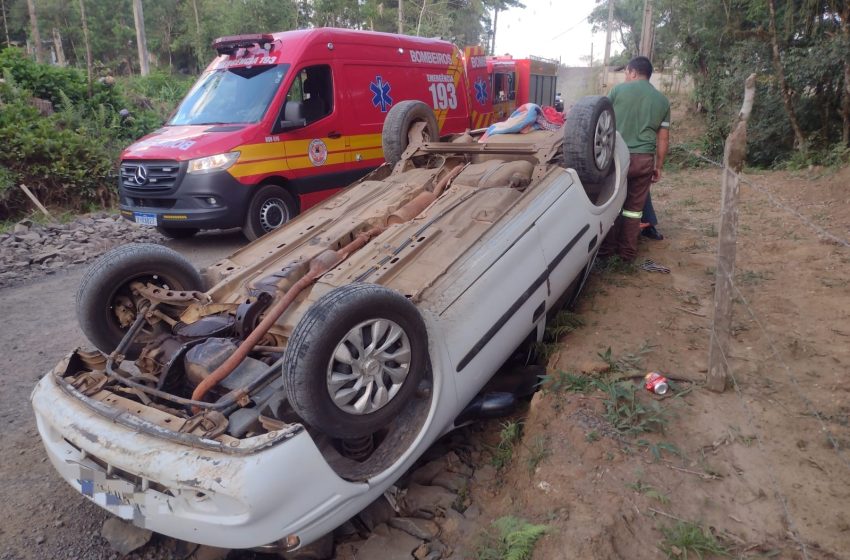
[278, 122]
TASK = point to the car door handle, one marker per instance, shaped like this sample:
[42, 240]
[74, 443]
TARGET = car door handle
[334, 134]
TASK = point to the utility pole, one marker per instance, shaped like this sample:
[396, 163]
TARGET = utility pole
[36, 37]
[400, 17]
[141, 39]
[648, 32]
[607, 60]
[495, 24]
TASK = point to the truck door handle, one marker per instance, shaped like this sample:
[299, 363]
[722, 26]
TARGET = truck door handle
[334, 134]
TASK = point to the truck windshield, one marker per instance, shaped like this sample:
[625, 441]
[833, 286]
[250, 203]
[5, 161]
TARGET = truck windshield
[232, 95]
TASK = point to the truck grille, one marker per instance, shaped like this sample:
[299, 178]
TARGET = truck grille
[149, 177]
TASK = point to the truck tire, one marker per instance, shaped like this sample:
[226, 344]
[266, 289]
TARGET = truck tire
[589, 138]
[354, 360]
[107, 284]
[395, 134]
[177, 233]
[271, 207]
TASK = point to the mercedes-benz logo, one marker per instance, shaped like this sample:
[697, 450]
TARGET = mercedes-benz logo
[141, 175]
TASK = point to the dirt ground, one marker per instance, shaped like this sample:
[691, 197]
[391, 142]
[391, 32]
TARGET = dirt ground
[762, 467]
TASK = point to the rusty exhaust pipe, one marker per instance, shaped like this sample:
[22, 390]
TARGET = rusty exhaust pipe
[319, 265]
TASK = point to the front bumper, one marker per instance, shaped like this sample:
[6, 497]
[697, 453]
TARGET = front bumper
[197, 495]
[187, 204]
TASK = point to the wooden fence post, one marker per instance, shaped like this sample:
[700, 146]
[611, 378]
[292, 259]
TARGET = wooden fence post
[733, 161]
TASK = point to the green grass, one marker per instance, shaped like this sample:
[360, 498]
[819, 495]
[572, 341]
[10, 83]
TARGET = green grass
[565, 382]
[538, 451]
[509, 538]
[628, 414]
[628, 362]
[650, 492]
[684, 541]
[509, 437]
[752, 277]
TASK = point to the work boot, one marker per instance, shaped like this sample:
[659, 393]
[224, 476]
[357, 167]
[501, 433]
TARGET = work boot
[651, 233]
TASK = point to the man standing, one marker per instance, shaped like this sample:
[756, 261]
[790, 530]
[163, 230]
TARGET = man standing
[643, 120]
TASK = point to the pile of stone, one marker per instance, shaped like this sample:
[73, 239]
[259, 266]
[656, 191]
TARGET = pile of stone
[30, 250]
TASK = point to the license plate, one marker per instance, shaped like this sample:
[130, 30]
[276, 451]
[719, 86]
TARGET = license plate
[112, 494]
[144, 219]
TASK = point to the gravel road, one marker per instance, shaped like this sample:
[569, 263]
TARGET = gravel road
[42, 517]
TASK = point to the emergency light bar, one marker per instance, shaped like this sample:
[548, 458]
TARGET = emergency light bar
[230, 43]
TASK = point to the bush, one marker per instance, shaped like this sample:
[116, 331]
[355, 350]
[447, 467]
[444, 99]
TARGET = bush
[70, 158]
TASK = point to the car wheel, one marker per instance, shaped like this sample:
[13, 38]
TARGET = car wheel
[395, 136]
[354, 360]
[105, 303]
[177, 233]
[271, 207]
[589, 138]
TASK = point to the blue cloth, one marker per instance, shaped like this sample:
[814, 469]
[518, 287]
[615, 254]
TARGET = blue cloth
[649, 212]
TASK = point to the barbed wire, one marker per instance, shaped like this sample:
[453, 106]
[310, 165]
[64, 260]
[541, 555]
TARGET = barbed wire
[777, 490]
[778, 203]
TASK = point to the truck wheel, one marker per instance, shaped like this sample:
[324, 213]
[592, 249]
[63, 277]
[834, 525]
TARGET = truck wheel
[395, 136]
[271, 207]
[177, 233]
[589, 138]
[354, 360]
[105, 304]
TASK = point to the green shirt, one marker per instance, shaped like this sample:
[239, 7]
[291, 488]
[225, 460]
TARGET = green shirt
[640, 110]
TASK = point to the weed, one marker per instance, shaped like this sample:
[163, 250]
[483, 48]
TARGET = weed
[626, 413]
[689, 538]
[537, 452]
[688, 202]
[615, 265]
[591, 436]
[710, 230]
[628, 362]
[463, 499]
[509, 538]
[508, 438]
[649, 492]
[658, 449]
[562, 381]
[752, 277]
[563, 323]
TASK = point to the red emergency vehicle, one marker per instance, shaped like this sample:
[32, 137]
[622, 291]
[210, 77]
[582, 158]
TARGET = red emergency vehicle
[277, 122]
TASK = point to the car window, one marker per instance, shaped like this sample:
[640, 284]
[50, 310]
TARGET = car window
[313, 90]
[232, 95]
[505, 86]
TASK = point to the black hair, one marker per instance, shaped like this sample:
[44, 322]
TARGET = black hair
[641, 65]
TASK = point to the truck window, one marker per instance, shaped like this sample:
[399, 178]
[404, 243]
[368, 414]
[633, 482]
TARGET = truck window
[232, 95]
[311, 94]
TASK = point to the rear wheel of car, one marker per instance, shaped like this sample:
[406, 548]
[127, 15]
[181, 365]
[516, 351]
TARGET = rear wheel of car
[105, 303]
[354, 360]
[398, 126]
[589, 138]
[177, 233]
[271, 207]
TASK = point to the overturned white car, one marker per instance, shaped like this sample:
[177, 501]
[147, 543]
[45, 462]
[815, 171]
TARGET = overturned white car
[326, 357]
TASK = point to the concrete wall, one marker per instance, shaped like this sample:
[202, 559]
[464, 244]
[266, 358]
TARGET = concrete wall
[576, 82]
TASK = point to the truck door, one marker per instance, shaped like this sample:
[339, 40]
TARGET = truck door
[481, 88]
[312, 130]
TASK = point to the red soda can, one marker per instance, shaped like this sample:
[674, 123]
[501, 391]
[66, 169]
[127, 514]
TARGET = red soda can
[656, 383]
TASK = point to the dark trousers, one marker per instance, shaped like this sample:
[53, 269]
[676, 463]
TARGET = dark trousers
[649, 216]
[622, 240]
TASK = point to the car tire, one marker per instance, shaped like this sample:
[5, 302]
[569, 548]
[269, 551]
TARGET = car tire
[335, 380]
[177, 233]
[109, 279]
[589, 138]
[395, 134]
[270, 207]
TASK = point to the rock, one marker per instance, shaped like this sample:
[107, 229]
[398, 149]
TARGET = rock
[419, 528]
[429, 471]
[450, 481]
[204, 552]
[21, 227]
[455, 526]
[376, 513]
[456, 465]
[39, 539]
[593, 367]
[44, 255]
[123, 537]
[431, 500]
[473, 512]
[394, 546]
[485, 475]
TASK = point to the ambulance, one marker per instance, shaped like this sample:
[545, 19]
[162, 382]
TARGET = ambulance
[278, 122]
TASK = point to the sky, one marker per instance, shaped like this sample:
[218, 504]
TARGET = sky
[555, 29]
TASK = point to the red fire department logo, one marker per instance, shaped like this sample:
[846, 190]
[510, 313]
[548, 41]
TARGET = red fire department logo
[317, 152]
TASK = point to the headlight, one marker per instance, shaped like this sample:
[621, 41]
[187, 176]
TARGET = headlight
[218, 162]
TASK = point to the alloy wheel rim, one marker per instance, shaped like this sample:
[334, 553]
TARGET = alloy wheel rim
[603, 140]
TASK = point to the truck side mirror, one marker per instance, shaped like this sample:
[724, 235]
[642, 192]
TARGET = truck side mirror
[293, 117]
[283, 126]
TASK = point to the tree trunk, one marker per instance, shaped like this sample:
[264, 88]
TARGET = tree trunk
[787, 98]
[5, 24]
[495, 24]
[400, 17]
[421, 13]
[57, 47]
[199, 49]
[36, 37]
[141, 38]
[87, 43]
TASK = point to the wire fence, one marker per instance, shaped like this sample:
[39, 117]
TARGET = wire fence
[775, 356]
